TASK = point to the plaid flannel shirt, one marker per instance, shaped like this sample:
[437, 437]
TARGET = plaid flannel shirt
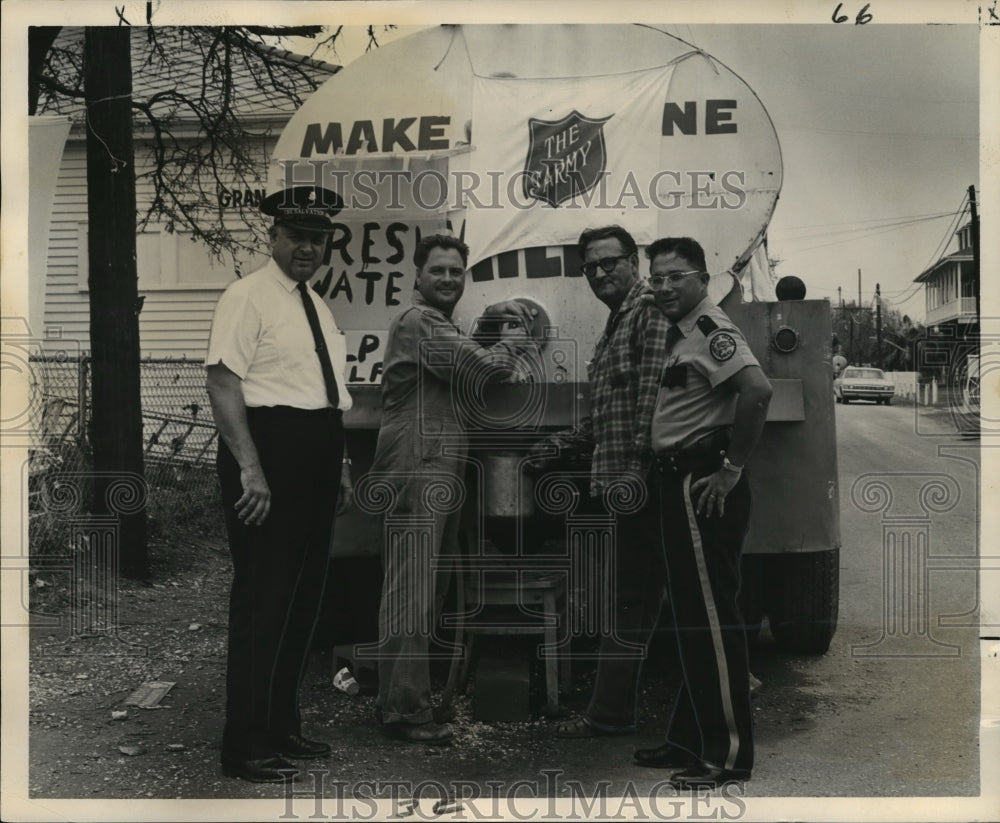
[624, 375]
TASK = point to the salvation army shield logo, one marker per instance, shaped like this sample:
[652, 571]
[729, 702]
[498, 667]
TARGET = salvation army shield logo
[565, 157]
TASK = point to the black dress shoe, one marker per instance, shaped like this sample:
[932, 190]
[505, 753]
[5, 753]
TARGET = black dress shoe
[443, 714]
[297, 747]
[666, 756]
[265, 770]
[707, 777]
[432, 733]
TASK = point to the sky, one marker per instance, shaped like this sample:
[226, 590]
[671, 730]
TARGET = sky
[878, 127]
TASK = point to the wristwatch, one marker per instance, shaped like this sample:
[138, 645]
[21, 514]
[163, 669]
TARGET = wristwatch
[730, 467]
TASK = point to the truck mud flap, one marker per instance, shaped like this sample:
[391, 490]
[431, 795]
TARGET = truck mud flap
[802, 599]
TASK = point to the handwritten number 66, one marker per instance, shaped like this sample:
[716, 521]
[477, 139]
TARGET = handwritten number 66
[862, 18]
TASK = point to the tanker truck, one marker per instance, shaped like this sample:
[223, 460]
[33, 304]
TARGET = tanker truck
[516, 138]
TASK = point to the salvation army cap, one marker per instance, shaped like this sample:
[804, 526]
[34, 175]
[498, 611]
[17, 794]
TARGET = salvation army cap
[304, 207]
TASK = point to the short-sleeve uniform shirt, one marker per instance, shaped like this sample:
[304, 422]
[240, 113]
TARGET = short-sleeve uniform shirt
[260, 332]
[691, 401]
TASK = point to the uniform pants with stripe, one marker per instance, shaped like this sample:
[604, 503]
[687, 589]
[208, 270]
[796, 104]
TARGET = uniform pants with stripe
[279, 572]
[712, 716]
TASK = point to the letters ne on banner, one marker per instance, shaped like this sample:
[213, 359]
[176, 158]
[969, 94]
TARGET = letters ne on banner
[553, 144]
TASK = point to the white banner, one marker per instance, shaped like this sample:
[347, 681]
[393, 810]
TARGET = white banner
[555, 156]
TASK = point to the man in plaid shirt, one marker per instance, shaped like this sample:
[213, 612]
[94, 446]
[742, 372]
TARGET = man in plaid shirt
[624, 378]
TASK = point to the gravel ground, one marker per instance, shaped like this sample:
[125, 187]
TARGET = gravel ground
[83, 746]
[85, 742]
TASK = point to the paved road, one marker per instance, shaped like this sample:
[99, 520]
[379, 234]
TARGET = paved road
[892, 708]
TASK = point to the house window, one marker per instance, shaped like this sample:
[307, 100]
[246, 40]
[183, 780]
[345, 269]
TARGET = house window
[155, 258]
[166, 261]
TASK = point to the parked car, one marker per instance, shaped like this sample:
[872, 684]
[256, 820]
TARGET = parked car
[971, 384]
[857, 383]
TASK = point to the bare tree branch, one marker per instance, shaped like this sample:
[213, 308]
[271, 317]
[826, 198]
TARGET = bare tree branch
[194, 117]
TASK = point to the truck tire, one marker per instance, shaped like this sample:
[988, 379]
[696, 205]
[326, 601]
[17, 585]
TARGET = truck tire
[803, 599]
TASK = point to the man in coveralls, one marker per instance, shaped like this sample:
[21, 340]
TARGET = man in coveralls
[709, 415]
[430, 366]
[275, 379]
[624, 376]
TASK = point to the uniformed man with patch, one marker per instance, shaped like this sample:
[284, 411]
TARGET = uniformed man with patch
[709, 414]
[275, 368]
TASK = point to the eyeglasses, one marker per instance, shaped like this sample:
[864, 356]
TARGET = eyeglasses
[672, 279]
[607, 264]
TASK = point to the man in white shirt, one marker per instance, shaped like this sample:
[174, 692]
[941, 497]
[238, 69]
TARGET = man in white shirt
[275, 380]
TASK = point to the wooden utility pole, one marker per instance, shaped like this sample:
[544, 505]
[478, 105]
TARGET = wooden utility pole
[878, 327]
[116, 423]
[974, 231]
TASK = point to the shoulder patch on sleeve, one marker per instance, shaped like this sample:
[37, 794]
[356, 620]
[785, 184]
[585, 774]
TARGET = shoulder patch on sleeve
[706, 325]
[722, 346]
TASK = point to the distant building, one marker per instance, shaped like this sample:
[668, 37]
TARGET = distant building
[179, 282]
[949, 290]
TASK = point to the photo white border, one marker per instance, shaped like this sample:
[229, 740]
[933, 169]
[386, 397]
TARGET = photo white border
[18, 14]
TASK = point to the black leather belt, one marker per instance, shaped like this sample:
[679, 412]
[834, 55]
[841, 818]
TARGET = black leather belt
[702, 457]
[292, 413]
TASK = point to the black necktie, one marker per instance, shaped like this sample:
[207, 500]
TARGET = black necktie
[674, 334]
[332, 393]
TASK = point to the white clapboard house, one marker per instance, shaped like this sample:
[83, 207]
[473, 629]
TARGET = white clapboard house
[179, 282]
[178, 279]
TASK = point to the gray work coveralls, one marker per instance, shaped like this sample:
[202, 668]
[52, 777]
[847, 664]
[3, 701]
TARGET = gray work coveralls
[430, 369]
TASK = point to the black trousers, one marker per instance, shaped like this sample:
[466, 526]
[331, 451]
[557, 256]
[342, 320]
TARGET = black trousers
[279, 572]
[712, 717]
[637, 581]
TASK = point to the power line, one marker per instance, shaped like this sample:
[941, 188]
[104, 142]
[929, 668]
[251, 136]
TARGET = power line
[863, 237]
[896, 223]
[897, 294]
[900, 302]
[870, 220]
[949, 233]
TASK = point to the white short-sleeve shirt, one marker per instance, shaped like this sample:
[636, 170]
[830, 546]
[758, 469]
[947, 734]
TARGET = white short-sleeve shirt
[261, 333]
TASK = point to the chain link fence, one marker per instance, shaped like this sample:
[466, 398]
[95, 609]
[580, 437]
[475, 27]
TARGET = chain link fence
[179, 445]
